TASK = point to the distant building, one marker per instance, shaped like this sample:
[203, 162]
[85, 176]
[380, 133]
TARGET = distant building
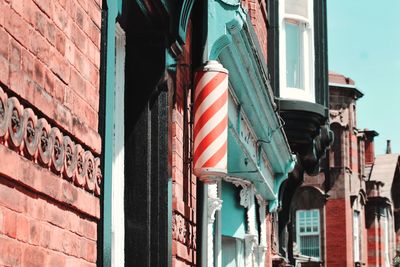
[346, 215]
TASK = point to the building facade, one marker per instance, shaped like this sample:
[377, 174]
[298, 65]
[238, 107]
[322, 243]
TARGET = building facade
[157, 133]
[50, 144]
[346, 215]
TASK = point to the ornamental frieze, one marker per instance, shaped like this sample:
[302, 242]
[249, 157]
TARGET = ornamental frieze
[35, 139]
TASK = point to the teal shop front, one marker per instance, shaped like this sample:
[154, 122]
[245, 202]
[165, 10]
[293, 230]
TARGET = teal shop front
[259, 158]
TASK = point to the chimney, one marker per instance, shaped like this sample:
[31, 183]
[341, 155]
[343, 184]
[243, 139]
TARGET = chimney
[369, 146]
[388, 147]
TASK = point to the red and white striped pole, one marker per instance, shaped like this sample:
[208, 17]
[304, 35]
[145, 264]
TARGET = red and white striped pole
[211, 121]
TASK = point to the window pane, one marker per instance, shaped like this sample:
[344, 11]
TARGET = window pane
[309, 245]
[293, 56]
[308, 232]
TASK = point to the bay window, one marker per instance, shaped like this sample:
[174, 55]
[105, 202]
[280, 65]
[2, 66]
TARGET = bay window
[297, 50]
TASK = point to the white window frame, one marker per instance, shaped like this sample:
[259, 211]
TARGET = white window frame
[356, 236]
[298, 234]
[386, 238]
[118, 157]
[308, 54]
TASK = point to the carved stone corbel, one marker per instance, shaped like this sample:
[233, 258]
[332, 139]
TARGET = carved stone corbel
[250, 243]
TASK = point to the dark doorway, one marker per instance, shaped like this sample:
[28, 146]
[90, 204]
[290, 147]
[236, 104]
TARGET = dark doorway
[146, 141]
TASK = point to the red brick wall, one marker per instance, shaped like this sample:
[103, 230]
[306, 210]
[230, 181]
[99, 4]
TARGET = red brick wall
[339, 247]
[184, 183]
[258, 14]
[374, 244]
[49, 60]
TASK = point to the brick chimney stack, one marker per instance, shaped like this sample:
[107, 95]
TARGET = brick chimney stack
[369, 146]
[388, 147]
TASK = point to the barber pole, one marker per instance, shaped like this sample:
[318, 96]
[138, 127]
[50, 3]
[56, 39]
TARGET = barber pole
[211, 121]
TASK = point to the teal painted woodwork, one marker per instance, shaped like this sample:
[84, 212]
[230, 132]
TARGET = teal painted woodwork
[223, 17]
[232, 213]
[184, 19]
[114, 8]
[258, 150]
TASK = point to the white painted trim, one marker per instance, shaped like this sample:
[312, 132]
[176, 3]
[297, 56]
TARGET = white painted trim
[308, 55]
[118, 167]
[318, 232]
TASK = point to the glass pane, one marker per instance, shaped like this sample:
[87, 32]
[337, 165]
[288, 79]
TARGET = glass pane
[309, 245]
[293, 56]
[232, 252]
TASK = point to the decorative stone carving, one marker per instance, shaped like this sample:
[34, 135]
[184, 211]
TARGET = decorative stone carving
[214, 204]
[249, 248]
[183, 231]
[263, 227]
[339, 115]
[35, 139]
[178, 228]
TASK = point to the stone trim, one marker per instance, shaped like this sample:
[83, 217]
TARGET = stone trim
[34, 138]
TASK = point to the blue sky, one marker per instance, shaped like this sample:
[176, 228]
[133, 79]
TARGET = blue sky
[364, 44]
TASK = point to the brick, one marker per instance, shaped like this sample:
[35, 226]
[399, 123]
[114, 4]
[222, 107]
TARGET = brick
[39, 47]
[55, 215]
[70, 243]
[27, 63]
[3, 10]
[58, 91]
[10, 223]
[4, 71]
[40, 22]
[48, 80]
[59, 65]
[80, 17]
[69, 194]
[17, 26]
[81, 108]
[94, 12]
[10, 252]
[79, 38]
[35, 208]
[70, 51]
[46, 6]
[56, 260]
[33, 257]
[23, 228]
[47, 233]
[15, 56]
[60, 42]
[93, 96]
[84, 89]
[83, 4]
[88, 229]
[35, 232]
[77, 83]
[61, 18]
[38, 74]
[12, 199]
[91, 251]
[29, 11]
[4, 40]
[94, 33]
[51, 32]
